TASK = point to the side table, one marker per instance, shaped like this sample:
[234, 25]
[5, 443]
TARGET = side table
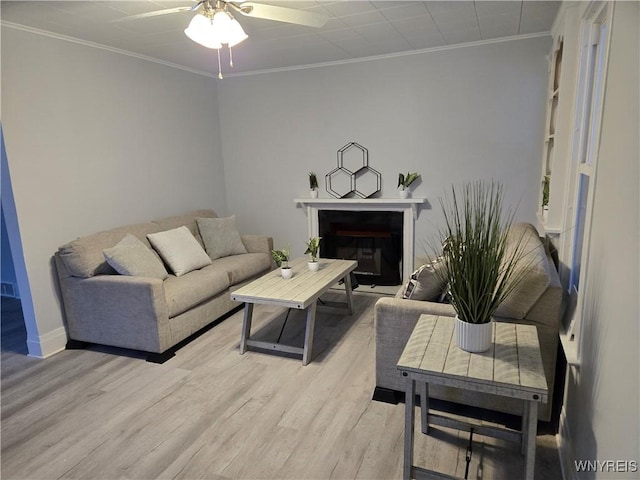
[511, 368]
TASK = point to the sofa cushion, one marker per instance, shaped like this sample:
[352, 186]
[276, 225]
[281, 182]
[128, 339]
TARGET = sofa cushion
[191, 289]
[425, 283]
[132, 257]
[180, 250]
[84, 256]
[188, 220]
[242, 267]
[220, 237]
[534, 266]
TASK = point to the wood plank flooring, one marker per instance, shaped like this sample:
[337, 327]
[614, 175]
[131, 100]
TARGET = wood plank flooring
[212, 413]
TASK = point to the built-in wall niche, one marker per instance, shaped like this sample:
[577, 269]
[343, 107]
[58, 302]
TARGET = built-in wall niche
[372, 238]
[550, 142]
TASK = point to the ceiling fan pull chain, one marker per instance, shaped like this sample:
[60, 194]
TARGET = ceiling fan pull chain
[230, 57]
[219, 65]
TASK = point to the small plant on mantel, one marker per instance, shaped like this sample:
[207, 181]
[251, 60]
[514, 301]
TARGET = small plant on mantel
[313, 185]
[405, 181]
[313, 247]
[281, 257]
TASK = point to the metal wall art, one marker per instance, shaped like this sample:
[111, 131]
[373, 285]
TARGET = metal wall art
[353, 176]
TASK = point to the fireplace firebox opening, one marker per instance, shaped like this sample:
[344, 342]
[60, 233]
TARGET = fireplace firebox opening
[373, 238]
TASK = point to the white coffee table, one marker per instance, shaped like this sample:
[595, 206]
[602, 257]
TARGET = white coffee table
[301, 292]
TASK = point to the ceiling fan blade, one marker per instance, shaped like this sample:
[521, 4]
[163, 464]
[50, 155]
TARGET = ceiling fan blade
[157, 13]
[281, 14]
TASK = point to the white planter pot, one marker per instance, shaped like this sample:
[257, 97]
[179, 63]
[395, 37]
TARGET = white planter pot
[286, 272]
[313, 266]
[404, 193]
[313, 193]
[474, 337]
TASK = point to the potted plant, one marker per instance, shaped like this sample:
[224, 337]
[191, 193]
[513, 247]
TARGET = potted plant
[478, 268]
[404, 181]
[313, 246]
[281, 257]
[545, 196]
[313, 185]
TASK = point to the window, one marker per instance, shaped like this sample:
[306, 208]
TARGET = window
[592, 73]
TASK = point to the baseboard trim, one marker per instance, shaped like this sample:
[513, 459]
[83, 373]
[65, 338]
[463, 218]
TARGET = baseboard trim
[48, 344]
[565, 450]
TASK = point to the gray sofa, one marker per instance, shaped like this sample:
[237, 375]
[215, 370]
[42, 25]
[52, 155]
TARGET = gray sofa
[537, 301]
[144, 313]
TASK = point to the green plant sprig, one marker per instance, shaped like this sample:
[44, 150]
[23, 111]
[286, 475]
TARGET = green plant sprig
[313, 246]
[479, 257]
[281, 257]
[313, 181]
[405, 181]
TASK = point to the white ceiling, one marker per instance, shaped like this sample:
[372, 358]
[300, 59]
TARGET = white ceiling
[355, 29]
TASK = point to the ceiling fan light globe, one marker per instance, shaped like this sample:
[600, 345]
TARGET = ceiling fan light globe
[226, 29]
[201, 31]
[236, 34]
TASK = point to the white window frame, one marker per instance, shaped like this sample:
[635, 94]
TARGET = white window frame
[596, 33]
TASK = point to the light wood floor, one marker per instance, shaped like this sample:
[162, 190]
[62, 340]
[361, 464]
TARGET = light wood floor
[212, 413]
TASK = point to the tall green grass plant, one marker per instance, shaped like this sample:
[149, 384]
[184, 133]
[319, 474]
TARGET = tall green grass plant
[479, 265]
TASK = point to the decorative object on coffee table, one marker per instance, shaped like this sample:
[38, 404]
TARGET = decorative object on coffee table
[313, 247]
[281, 257]
[404, 181]
[313, 185]
[479, 268]
[353, 177]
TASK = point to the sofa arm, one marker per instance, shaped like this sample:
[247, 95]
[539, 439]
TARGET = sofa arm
[395, 319]
[118, 310]
[258, 243]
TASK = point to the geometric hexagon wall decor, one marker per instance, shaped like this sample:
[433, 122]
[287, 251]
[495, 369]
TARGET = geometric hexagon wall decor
[353, 174]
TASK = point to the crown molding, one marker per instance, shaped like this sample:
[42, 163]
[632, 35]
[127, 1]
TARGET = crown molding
[100, 46]
[394, 55]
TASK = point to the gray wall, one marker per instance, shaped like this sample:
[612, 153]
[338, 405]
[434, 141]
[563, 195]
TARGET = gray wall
[96, 139]
[452, 115]
[602, 401]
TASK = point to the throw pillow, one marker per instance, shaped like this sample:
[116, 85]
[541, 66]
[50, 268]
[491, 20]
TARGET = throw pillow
[180, 250]
[132, 257]
[220, 237]
[424, 283]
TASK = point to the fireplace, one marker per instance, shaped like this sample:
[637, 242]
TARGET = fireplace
[408, 208]
[373, 238]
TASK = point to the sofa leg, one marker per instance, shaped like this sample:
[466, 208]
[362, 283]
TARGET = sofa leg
[160, 357]
[386, 395]
[76, 345]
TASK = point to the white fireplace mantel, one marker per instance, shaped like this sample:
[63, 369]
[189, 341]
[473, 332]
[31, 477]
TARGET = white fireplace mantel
[410, 207]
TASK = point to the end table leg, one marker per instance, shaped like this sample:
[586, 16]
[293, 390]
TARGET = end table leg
[424, 407]
[308, 334]
[525, 428]
[530, 458]
[246, 327]
[409, 413]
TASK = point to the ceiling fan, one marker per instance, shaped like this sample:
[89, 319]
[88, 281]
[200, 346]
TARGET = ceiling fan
[249, 9]
[214, 25]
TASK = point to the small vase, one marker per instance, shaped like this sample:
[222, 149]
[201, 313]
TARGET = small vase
[286, 272]
[404, 193]
[474, 337]
[313, 193]
[313, 266]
